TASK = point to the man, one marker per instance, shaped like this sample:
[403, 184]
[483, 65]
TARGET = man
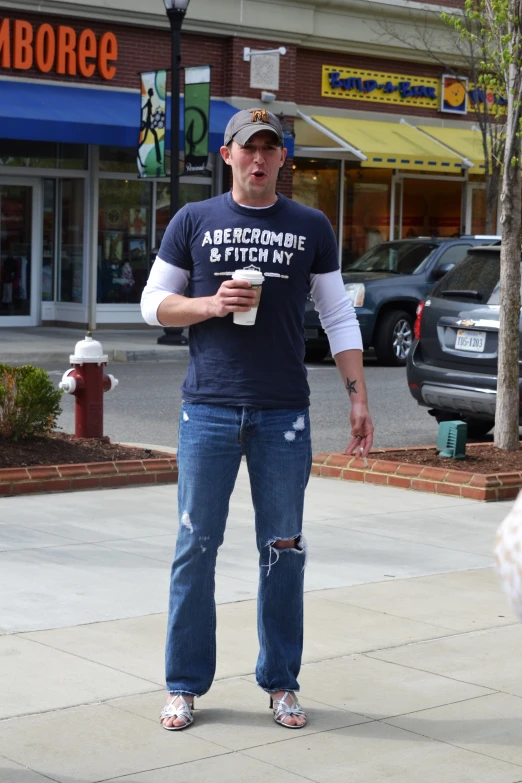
[246, 393]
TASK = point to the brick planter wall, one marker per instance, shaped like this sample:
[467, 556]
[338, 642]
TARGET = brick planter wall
[90, 475]
[442, 481]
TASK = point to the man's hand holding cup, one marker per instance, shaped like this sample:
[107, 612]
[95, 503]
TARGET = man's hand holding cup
[233, 296]
[239, 296]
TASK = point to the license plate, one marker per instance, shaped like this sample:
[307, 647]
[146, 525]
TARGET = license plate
[467, 340]
[311, 332]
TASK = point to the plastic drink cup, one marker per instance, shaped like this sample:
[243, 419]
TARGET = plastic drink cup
[255, 277]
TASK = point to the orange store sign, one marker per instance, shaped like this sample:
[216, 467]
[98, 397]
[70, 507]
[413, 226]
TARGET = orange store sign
[57, 49]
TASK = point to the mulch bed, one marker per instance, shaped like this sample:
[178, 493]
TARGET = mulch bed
[480, 458]
[60, 448]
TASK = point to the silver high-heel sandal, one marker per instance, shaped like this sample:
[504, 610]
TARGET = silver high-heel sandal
[182, 710]
[283, 710]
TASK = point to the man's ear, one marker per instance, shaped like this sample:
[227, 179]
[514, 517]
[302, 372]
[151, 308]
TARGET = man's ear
[225, 154]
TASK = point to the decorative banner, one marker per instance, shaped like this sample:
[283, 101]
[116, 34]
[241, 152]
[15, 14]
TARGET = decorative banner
[392, 88]
[197, 110]
[151, 146]
[454, 95]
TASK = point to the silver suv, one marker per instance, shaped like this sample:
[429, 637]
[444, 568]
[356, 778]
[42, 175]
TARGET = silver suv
[452, 365]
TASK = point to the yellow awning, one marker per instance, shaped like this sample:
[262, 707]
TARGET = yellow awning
[466, 142]
[307, 135]
[392, 145]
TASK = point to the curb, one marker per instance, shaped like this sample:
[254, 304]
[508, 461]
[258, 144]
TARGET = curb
[165, 355]
[88, 475]
[114, 355]
[442, 481]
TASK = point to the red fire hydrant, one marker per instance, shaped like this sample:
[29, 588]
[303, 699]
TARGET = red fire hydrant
[87, 381]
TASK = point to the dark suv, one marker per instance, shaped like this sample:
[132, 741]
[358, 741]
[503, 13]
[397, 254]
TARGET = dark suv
[452, 366]
[386, 284]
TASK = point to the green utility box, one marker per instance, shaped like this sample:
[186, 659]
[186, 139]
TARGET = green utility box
[451, 441]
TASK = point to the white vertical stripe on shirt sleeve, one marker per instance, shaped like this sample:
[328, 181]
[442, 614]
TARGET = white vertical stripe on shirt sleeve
[164, 280]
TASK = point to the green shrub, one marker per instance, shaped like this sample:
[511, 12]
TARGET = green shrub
[29, 403]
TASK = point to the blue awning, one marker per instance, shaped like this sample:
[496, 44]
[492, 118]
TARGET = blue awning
[36, 111]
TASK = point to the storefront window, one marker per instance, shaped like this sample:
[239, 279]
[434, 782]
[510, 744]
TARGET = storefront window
[16, 211]
[188, 192]
[122, 159]
[315, 183]
[70, 276]
[431, 208]
[366, 211]
[43, 154]
[124, 247]
[48, 260]
[478, 212]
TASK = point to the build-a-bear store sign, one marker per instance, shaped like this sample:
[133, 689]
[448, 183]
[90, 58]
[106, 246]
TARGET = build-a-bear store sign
[59, 49]
[452, 94]
[457, 93]
[378, 87]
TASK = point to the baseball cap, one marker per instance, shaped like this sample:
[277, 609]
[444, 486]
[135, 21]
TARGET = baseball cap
[245, 123]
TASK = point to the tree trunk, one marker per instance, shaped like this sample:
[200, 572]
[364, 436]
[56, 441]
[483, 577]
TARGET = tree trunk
[492, 188]
[508, 394]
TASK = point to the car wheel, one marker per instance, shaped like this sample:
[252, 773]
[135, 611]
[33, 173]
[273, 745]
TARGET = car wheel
[315, 354]
[477, 428]
[394, 337]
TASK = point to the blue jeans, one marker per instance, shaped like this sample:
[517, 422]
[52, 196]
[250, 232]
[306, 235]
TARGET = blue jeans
[278, 450]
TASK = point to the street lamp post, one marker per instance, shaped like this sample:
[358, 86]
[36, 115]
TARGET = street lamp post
[176, 10]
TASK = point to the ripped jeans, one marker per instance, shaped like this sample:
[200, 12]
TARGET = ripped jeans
[278, 451]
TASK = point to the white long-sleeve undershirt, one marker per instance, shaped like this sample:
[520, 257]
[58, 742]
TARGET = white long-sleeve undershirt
[336, 312]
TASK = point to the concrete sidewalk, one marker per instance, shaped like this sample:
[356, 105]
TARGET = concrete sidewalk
[41, 344]
[412, 660]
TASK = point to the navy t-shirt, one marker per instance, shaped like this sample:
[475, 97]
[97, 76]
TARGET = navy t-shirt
[260, 365]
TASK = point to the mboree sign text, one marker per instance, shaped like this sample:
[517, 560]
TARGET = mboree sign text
[59, 49]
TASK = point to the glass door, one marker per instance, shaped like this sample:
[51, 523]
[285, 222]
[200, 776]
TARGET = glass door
[20, 251]
[476, 211]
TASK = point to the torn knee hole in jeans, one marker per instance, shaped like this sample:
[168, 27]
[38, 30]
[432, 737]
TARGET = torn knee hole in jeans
[274, 552]
[185, 521]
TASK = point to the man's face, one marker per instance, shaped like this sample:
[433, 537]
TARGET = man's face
[255, 168]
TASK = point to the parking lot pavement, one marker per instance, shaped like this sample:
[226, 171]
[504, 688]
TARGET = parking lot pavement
[41, 344]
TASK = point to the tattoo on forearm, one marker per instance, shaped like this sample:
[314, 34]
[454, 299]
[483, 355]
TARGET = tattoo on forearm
[350, 385]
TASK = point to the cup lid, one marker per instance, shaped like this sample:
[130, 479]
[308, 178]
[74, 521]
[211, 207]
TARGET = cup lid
[251, 273]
